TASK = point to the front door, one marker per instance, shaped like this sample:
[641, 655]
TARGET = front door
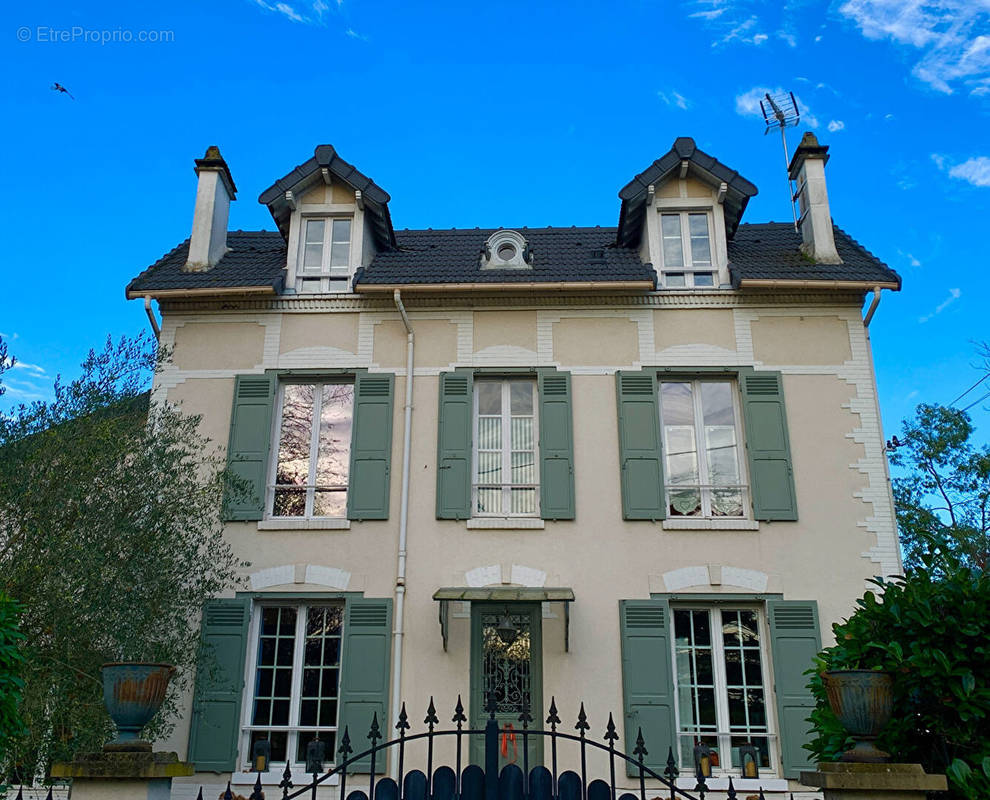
[511, 666]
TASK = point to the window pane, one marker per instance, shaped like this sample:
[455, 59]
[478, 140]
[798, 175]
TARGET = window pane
[313, 245]
[341, 231]
[489, 397]
[336, 415]
[329, 739]
[523, 501]
[340, 255]
[698, 225]
[330, 503]
[315, 230]
[295, 434]
[521, 397]
[278, 742]
[523, 467]
[704, 279]
[489, 468]
[522, 433]
[674, 280]
[289, 503]
[273, 673]
[672, 255]
[671, 225]
[677, 400]
[701, 254]
[489, 501]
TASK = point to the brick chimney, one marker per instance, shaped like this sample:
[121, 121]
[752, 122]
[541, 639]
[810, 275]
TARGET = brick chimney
[215, 191]
[807, 168]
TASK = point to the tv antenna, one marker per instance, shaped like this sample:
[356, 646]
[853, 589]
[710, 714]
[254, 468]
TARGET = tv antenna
[781, 112]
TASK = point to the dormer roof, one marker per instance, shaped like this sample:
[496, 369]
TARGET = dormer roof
[634, 195]
[325, 157]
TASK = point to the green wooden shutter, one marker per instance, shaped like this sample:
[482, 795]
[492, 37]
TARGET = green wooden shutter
[454, 445]
[556, 446]
[794, 641]
[647, 684]
[371, 447]
[249, 444]
[216, 715]
[641, 467]
[364, 678]
[771, 475]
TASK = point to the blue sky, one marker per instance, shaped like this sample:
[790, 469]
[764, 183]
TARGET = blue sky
[496, 114]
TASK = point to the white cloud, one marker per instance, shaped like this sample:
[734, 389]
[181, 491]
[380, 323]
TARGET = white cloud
[711, 14]
[975, 171]
[748, 104]
[355, 35]
[911, 259]
[744, 32]
[293, 14]
[836, 125]
[672, 98]
[790, 38]
[954, 294]
[34, 369]
[950, 36]
[23, 391]
[10, 336]
[939, 160]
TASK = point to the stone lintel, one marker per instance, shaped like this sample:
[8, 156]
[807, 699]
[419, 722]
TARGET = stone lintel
[123, 766]
[874, 778]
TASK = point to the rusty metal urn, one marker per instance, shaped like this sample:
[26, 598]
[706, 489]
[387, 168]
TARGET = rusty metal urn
[133, 692]
[863, 700]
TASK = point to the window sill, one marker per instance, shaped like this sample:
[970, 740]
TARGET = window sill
[689, 524]
[274, 776]
[505, 524]
[740, 784]
[332, 524]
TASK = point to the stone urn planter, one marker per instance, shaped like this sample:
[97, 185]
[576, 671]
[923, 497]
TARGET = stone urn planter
[862, 699]
[133, 692]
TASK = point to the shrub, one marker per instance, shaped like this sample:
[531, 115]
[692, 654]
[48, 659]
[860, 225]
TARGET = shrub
[11, 663]
[931, 631]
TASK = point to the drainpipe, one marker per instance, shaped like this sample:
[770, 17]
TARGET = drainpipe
[400, 572]
[151, 316]
[876, 402]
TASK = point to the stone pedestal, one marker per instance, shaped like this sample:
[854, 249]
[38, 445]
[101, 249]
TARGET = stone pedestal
[122, 776]
[846, 781]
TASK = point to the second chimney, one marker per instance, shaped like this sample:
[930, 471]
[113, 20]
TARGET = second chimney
[216, 190]
[807, 167]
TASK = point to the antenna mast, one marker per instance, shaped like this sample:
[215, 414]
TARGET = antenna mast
[781, 112]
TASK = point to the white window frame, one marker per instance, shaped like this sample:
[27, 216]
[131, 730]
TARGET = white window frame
[507, 487]
[721, 691]
[702, 450]
[251, 676]
[330, 278]
[314, 440]
[689, 267]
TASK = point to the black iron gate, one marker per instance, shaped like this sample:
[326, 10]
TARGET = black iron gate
[474, 782]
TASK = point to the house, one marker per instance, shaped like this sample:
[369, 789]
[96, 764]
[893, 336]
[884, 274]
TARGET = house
[651, 453]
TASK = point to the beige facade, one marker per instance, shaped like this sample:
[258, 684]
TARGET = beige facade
[844, 534]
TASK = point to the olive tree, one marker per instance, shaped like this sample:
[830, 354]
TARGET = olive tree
[111, 539]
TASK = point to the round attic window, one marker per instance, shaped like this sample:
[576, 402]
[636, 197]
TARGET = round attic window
[507, 251]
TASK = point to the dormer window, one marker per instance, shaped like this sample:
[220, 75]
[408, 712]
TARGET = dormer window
[326, 254]
[687, 250]
[505, 250]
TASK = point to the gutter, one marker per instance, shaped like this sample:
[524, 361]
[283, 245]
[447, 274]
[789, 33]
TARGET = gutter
[400, 571]
[769, 283]
[151, 317]
[507, 287]
[201, 292]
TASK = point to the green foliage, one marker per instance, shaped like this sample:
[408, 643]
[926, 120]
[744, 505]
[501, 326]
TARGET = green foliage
[943, 497]
[11, 668]
[111, 539]
[931, 631]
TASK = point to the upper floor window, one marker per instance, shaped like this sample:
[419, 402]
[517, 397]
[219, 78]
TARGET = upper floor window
[687, 250]
[326, 250]
[312, 459]
[702, 458]
[506, 249]
[506, 473]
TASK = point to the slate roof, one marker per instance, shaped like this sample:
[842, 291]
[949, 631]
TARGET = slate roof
[454, 256]
[764, 251]
[325, 156]
[771, 251]
[254, 259]
[634, 194]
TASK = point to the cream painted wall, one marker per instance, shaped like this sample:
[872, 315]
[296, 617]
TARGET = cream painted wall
[843, 535]
[199, 345]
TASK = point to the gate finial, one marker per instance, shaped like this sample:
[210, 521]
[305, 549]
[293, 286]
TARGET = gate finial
[610, 733]
[459, 717]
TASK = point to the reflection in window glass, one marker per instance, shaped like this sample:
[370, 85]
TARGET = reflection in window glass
[313, 247]
[686, 250]
[296, 684]
[506, 478]
[701, 449]
[311, 472]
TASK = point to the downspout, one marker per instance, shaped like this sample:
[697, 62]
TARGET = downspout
[400, 572]
[876, 402]
[151, 317]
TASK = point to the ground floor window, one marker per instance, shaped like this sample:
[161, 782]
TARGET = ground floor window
[294, 681]
[720, 675]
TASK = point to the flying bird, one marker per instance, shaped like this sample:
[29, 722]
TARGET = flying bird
[58, 87]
